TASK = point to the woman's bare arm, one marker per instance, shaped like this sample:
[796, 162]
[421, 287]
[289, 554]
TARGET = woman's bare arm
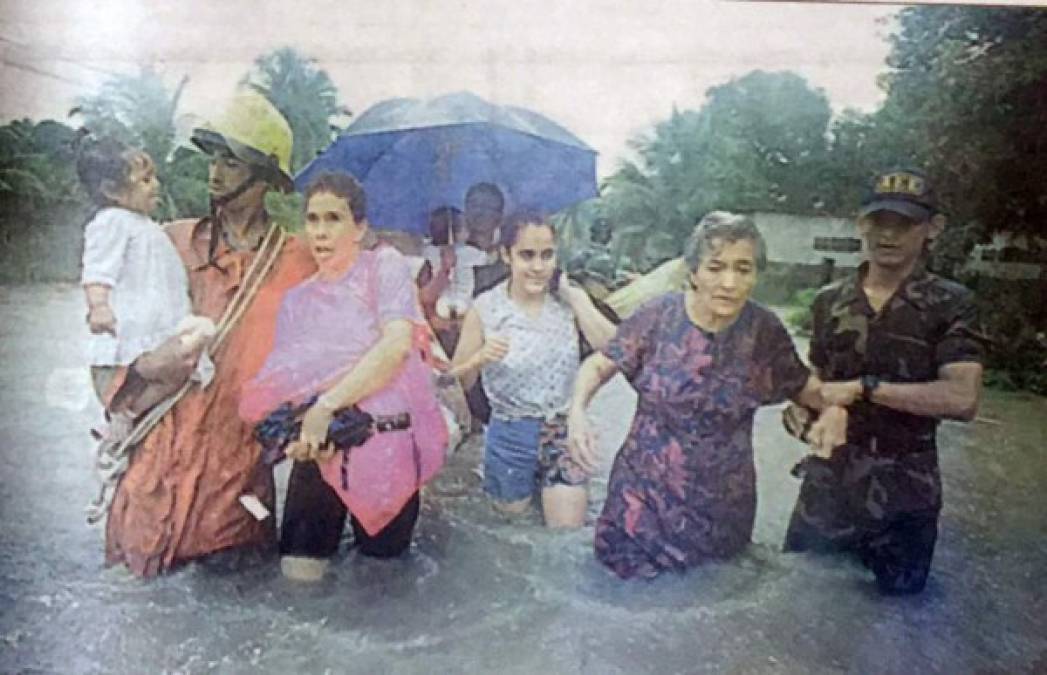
[375, 370]
[596, 327]
[474, 350]
[594, 372]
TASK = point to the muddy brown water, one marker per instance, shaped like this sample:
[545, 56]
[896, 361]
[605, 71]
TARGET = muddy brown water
[478, 593]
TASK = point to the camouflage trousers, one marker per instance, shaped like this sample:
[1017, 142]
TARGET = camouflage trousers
[881, 505]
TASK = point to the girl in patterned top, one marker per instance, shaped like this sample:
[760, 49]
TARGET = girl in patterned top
[521, 337]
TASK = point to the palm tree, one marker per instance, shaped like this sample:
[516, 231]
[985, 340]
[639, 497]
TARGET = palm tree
[36, 170]
[305, 95]
[140, 111]
[40, 210]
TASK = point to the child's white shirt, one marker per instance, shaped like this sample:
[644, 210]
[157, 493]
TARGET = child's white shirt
[149, 288]
[459, 293]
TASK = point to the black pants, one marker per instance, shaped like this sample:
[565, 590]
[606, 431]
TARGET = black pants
[881, 507]
[899, 554]
[314, 517]
[479, 406]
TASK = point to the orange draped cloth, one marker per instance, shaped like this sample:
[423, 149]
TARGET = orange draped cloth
[179, 499]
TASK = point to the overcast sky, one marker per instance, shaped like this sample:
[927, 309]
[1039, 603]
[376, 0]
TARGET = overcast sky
[604, 69]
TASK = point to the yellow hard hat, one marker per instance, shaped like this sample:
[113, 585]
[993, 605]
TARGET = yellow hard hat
[252, 130]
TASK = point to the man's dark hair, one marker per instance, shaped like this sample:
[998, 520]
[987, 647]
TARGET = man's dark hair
[488, 189]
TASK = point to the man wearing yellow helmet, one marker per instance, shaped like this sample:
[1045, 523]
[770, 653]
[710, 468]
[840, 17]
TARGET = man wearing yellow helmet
[195, 485]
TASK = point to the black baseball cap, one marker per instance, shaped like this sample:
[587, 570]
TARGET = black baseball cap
[903, 191]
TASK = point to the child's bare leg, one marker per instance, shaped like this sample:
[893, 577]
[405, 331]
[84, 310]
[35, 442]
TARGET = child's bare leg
[137, 400]
[565, 506]
[169, 362]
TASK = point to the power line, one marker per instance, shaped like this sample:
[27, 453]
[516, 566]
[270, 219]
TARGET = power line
[85, 66]
[40, 71]
[25, 47]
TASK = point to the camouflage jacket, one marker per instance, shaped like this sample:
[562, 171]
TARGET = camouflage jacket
[928, 323]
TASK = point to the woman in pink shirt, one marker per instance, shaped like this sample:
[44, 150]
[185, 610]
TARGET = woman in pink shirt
[348, 334]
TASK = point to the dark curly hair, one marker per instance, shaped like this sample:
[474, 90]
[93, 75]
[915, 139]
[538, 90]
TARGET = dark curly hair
[103, 164]
[340, 184]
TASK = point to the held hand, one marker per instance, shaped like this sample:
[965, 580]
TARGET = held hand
[100, 319]
[191, 347]
[829, 431]
[581, 441]
[195, 334]
[841, 393]
[299, 451]
[494, 349]
[312, 442]
[797, 420]
[190, 352]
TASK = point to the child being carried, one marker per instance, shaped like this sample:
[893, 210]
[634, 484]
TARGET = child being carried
[145, 342]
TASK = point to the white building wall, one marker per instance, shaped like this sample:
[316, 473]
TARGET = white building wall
[791, 238]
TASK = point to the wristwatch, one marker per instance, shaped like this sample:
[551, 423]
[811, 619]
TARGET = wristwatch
[869, 385]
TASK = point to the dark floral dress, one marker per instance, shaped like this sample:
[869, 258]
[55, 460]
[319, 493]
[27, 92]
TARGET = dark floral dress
[683, 486]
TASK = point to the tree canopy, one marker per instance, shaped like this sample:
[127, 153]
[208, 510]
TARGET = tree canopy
[305, 95]
[966, 101]
[967, 89]
[760, 142]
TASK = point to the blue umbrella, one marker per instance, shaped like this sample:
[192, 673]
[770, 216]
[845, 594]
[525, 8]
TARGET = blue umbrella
[414, 156]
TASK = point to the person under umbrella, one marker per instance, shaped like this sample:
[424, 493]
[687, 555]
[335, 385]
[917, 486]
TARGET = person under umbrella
[521, 338]
[413, 156]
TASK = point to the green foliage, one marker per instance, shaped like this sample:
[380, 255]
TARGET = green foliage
[760, 142]
[305, 95]
[967, 89]
[140, 111]
[35, 168]
[966, 101]
[1014, 319]
[137, 109]
[285, 209]
[1014, 377]
[765, 135]
[799, 316]
[970, 85]
[40, 207]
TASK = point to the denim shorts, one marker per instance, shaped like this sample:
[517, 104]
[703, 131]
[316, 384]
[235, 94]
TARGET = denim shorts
[523, 454]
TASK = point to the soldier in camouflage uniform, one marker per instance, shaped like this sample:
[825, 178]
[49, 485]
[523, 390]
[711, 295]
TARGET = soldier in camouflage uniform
[898, 347]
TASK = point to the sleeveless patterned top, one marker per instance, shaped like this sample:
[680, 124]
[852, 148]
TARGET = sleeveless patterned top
[536, 376]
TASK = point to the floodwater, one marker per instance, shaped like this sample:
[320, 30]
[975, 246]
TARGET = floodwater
[478, 593]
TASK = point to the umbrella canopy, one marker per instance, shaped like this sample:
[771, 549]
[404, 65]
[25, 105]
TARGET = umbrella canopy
[414, 156]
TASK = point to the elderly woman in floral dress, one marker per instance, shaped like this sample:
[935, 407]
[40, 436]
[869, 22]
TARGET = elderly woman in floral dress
[683, 486]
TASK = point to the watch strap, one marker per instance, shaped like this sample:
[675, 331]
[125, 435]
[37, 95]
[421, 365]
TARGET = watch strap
[869, 385]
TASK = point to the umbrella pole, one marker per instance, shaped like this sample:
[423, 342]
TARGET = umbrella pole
[454, 270]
